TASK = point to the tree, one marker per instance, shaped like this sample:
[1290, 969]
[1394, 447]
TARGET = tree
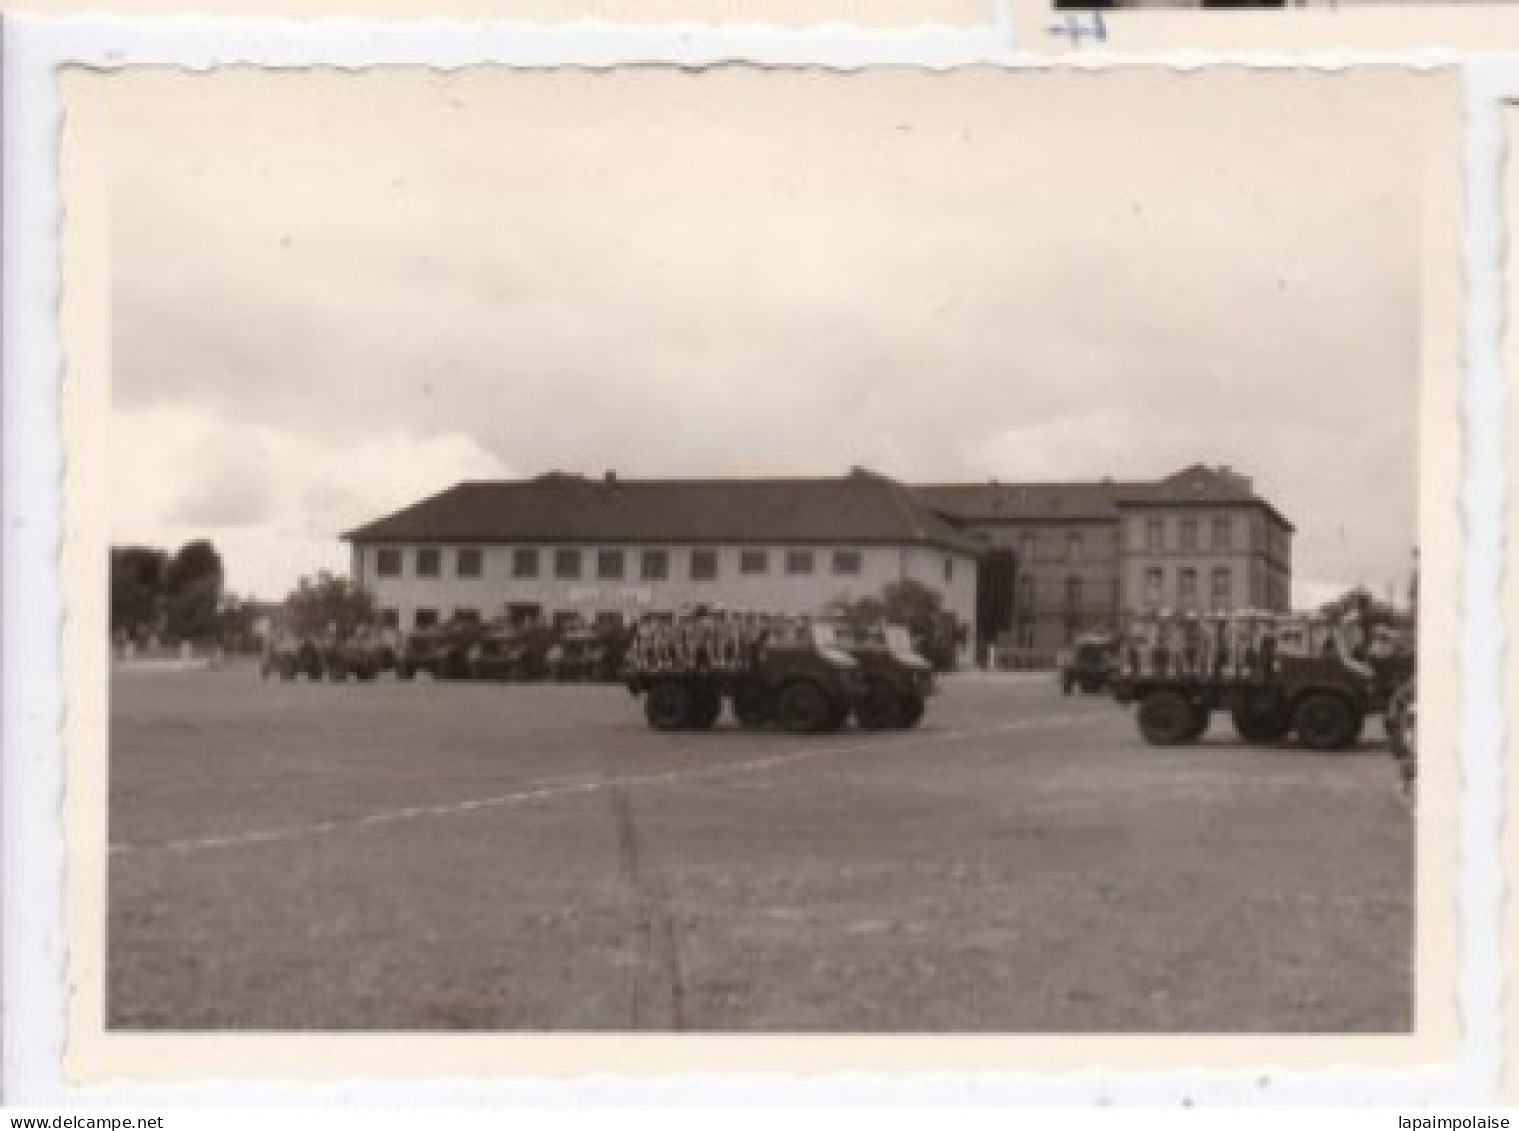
[137, 580]
[192, 587]
[908, 602]
[1360, 602]
[327, 601]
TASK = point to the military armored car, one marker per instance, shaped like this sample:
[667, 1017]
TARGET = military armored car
[788, 671]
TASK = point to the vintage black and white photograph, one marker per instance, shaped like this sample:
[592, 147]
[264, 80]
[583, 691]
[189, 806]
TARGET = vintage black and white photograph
[767, 552]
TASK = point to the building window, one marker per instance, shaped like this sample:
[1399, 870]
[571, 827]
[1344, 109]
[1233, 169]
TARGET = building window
[1223, 534]
[754, 561]
[1222, 587]
[609, 564]
[949, 570]
[524, 563]
[1072, 592]
[424, 618]
[521, 613]
[566, 619]
[429, 563]
[655, 565]
[1026, 595]
[567, 563]
[390, 618]
[1075, 544]
[1155, 586]
[608, 621]
[846, 562]
[1026, 547]
[1189, 534]
[1155, 535]
[703, 565]
[798, 561]
[1186, 588]
[387, 562]
[468, 563]
[467, 616]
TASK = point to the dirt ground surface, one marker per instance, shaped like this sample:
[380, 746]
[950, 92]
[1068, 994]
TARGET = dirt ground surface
[531, 857]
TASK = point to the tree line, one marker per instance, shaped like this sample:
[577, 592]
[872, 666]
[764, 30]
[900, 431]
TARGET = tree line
[173, 598]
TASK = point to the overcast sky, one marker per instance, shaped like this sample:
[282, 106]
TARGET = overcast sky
[333, 294]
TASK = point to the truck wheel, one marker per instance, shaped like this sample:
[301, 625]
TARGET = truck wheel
[707, 706]
[838, 715]
[1200, 722]
[910, 711]
[1325, 721]
[668, 706]
[802, 708]
[287, 670]
[751, 708]
[1261, 726]
[337, 673]
[1401, 723]
[1166, 718]
[405, 671]
[878, 710]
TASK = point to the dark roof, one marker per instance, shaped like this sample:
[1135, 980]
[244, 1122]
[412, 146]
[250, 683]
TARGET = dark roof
[861, 507]
[1006, 502]
[1092, 500]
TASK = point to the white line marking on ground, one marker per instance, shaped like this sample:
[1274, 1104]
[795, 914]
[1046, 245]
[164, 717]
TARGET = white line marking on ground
[631, 781]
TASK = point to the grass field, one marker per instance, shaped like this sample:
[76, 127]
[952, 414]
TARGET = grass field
[458, 856]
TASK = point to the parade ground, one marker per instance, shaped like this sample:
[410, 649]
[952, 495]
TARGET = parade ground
[445, 856]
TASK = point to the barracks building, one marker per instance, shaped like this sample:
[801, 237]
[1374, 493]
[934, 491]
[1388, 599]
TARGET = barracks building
[1023, 566]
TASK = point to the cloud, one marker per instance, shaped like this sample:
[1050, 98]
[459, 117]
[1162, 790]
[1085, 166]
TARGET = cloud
[274, 500]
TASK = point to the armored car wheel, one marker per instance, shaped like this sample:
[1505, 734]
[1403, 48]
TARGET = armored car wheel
[802, 708]
[878, 710]
[668, 706]
[405, 671]
[1167, 718]
[910, 711]
[1326, 721]
[1200, 721]
[752, 708]
[838, 714]
[705, 709]
[1262, 725]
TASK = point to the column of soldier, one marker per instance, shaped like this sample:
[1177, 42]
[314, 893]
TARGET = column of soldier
[1236, 645]
[706, 639]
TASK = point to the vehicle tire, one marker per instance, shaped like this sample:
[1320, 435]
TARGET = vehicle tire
[669, 706]
[839, 711]
[1166, 718]
[910, 710]
[1261, 726]
[366, 674]
[1091, 685]
[707, 707]
[405, 671]
[286, 670]
[879, 710]
[802, 708]
[1067, 684]
[1325, 721]
[337, 672]
[752, 708]
[1200, 721]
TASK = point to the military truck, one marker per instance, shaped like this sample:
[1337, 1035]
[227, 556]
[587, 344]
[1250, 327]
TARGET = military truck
[1088, 665]
[516, 652]
[363, 654]
[441, 651]
[898, 680]
[770, 669]
[1277, 677]
[288, 654]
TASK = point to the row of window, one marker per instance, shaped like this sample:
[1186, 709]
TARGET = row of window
[1189, 532]
[1221, 591]
[1075, 545]
[1075, 592]
[612, 565]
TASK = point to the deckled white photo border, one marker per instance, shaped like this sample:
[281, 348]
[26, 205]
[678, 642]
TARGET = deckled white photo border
[33, 467]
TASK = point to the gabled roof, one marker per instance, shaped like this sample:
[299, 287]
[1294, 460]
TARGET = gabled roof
[861, 507]
[1092, 500]
[1006, 502]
